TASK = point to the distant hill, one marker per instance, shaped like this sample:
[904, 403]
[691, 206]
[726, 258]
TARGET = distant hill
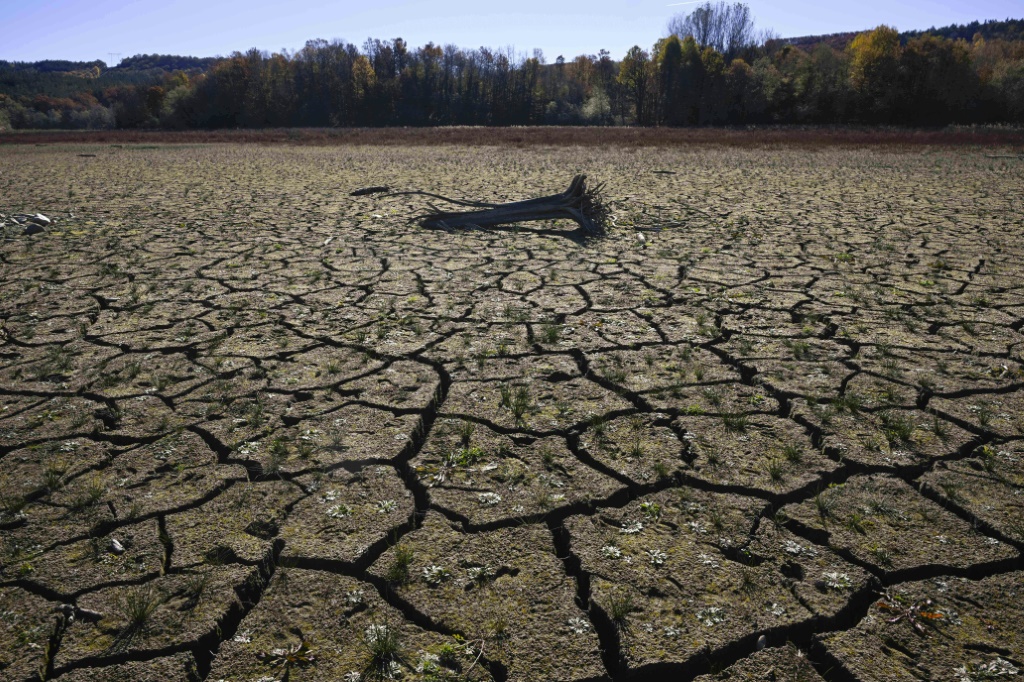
[166, 62]
[837, 41]
[140, 62]
[59, 78]
[1009, 29]
[51, 66]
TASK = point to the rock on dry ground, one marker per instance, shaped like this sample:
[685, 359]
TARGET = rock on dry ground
[242, 411]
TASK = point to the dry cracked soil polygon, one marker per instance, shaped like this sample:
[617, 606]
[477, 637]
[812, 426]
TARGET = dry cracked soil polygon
[768, 427]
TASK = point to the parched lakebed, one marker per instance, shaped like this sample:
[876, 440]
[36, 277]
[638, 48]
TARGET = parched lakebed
[254, 428]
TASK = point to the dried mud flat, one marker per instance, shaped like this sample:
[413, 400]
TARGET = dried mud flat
[778, 405]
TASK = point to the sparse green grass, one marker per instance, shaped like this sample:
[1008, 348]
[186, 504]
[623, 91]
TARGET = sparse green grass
[621, 605]
[517, 400]
[383, 645]
[53, 474]
[136, 607]
[551, 333]
[89, 493]
[776, 469]
[735, 422]
[793, 453]
[398, 570]
[849, 401]
[897, 427]
[825, 503]
[197, 586]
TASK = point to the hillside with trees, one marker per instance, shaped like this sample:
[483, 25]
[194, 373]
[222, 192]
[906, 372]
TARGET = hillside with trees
[1008, 30]
[713, 68]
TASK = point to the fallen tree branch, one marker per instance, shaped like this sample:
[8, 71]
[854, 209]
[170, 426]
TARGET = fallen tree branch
[582, 205]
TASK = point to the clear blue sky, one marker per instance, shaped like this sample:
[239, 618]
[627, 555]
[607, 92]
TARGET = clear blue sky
[86, 30]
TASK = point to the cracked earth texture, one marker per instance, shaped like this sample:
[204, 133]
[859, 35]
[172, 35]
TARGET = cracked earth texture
[770, 427]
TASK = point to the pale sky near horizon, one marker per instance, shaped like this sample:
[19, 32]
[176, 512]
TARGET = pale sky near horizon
[109, 29]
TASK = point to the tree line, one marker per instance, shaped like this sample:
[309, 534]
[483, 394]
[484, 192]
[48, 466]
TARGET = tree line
[712, 69]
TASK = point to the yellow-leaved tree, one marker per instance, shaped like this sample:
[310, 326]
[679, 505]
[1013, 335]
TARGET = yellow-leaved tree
[874, 72]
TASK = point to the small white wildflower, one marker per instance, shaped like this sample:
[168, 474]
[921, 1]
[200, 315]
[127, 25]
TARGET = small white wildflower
[837, 581]
[942, 539]
[339, 511]
[553, 481]
[329, 496]
[777, 610]
[975, 672]
[796, 549]
[488, 499]
[711, 616]
[697, 527]
[707, 561]
[999, 667]
[632, 528]
[243, 637]
[435, 575]
[558, 498]
[657, 556]
[671, 632]
[579, 626]
[249, 448]
[386, 506]
[479, 574]
[429, 663]
[611, 552]
[376, 632]
[354, 597]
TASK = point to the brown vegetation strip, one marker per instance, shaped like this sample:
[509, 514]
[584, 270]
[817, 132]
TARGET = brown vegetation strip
[803, 136]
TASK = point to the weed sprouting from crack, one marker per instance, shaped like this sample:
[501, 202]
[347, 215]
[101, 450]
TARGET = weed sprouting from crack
[621, 604]
[398, 571]
[298, 656]
[917, 614]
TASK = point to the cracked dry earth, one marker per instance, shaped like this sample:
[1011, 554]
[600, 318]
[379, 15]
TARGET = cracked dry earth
[241, 411]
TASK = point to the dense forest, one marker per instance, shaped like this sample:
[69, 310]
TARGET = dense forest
[712, 69]
[1009, 30]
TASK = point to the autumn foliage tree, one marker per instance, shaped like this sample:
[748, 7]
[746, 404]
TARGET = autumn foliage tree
[636, 77]
[874, 71]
